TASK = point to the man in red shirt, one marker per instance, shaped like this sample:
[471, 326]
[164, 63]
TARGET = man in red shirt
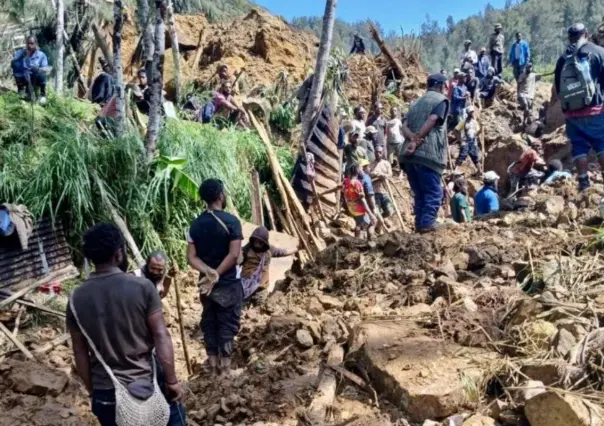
[354, 195]
[529, 159]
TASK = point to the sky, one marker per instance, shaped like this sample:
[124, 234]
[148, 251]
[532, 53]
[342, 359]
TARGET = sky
[391, 14]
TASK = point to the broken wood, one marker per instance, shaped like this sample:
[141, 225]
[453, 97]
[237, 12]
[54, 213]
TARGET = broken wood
[121, 224]
[386, 51]
[284, 223]
[269, 210]
[41, 308]
[198, 53]
[395, 204]
[49, 278]
[53, 344]
[257, 214]
[182, 327]
[102, 44]
[16, 341]
[74, 59]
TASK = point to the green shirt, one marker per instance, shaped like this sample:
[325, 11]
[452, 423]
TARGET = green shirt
[459, 203]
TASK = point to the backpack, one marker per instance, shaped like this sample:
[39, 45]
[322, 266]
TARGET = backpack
[577, 88]
[207, 112]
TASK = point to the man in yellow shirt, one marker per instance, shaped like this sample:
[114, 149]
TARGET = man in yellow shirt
[469, 146]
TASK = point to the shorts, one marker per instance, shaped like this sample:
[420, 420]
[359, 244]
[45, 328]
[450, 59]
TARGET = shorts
[362, 222]
[585, 133]
[384, 203]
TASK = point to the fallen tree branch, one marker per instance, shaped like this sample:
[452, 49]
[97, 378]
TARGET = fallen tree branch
[53, 276]
[16, 341]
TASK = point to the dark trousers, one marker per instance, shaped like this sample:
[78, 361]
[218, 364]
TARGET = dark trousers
[469, 147]
[497, 62]
[103, 404]
[427, 194]
[38, 84]
[518, 70]
[220, 325]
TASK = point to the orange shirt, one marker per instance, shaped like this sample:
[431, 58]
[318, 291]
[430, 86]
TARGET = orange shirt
[354, 196]
[526, 162]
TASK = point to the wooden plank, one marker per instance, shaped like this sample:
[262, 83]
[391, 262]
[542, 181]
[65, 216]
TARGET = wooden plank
[16, 341]
[53, 344]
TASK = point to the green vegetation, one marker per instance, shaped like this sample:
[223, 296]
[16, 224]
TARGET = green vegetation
[213, 9]
[58, 165]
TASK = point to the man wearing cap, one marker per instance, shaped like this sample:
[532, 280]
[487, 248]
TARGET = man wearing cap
[424, 154]
[496, 46]
[486, 200]
[452, 83]
[520, 55]
[468, 57]
[483, 65]
[527, 83]
[471, 128]
[583, 106]
[353, 151]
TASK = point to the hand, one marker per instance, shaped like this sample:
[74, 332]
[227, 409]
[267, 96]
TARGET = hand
[212, 276]
[411, 148]
[174, 269]
[372, 218]
[175, 392]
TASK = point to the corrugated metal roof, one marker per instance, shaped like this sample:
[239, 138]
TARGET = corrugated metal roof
[47, 251]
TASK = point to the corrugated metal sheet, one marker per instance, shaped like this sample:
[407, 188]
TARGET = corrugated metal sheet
[47, 251]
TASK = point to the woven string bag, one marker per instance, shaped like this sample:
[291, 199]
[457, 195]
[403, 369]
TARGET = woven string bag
[130, 411]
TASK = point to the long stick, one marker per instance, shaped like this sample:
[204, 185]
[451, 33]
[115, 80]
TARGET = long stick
[269, 210]
[76, 65]
[200, 43]
[40, 282]
[16, 341]
[182, 327]
[100, 41]
[396, 209]
[284, 223]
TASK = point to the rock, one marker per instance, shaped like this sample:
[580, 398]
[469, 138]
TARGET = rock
[35, 379]
[552, 206]
[573, 327]
[540, 333]
[563, 342]
[527, 390]
[418, 374]
[330, 302]
[456, 420]
[460, 261]
[391, 288]
[447, 269]
[449, 289]
[315, 307]
[469, 305]
[430, 423]
[304, 338]
[495, 408]
[480, 420]
[551, 372]
[315, 331]
[524, 310]
[553, 409]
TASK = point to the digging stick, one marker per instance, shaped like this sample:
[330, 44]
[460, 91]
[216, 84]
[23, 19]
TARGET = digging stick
[182, 327]
[396, 209]
[16, 341]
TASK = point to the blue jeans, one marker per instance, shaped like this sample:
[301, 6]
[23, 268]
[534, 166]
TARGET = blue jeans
[585, 133]
[103, 404]
[427, 194]
[468, 147]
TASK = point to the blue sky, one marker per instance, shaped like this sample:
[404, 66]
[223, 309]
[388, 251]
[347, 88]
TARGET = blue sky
[391, 14]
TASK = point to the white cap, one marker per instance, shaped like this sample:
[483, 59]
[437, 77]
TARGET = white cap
[456, 70]
[490, 176]
[470, 108]
[371, 129]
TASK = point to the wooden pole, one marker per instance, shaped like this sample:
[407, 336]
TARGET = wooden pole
[386, 51]
[76, 65]
[257, 214]
[199, 51]
[53, 276]
[16, 341]
[284, 222]
[102, 44]
[269, 210]
[396, 209]
[182, 327]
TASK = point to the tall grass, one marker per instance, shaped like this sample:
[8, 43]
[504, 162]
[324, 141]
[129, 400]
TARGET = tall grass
[59, 166]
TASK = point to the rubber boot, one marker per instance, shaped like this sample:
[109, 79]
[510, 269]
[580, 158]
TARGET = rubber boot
[225, 366]
[213, 364]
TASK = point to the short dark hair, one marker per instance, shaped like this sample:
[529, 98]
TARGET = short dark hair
[210, 190]
[459, 185]
[357, 109]
[353, 170]
[140, 72]
[32, 38]
[157, 254]
[101, 242]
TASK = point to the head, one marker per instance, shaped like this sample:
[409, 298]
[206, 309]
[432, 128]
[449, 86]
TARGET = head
[223, 71]
[555, 166]
[395, 112]
[360, 113]
[471, 73]
[518, 36]
[353, 139]
[490, 178]
[483, 51]
[443, 72]
[460, 185]
[213, 194]
[353, 171]
[104, 247]
[142, 77]
[259, 240]
[498, 28]
[31, 44]
[491, 72]
[470, 111]
[105, 65]
[577, 34]
[461, 77]
[364, 166]
[537, 146]
[529, 67]
[378, 108]
[379, 152]
[226, 88]
[467, 45]
[456, 72]
[436, 83]
[156, 265]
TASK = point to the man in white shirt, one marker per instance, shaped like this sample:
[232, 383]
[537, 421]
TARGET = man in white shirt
[394, 136]
[468, 57]
[360, 116]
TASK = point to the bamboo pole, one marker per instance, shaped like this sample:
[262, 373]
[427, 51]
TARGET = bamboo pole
[257, 214]
[102, 44]
[269, 210]
[396, 209]
[200, 43]
[182, 327]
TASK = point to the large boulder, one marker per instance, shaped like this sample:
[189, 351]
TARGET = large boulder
[35, 379]
[424, 376]
[553, 409]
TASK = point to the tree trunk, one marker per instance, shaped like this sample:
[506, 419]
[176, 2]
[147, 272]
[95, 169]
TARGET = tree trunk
[102, 44]
[318, 82]
[60, 47]
[156, 80]
[175, 50]
[118, 71]
[148, 36]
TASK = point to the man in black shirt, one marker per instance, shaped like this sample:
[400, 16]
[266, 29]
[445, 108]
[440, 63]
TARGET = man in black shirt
[102, 86]
[214, 246]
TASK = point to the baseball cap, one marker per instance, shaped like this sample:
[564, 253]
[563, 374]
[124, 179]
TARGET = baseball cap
[576, 30]
[363, 162]
[355, 132]
[435, 79]
[483, 49]
[490, 176]
[371, 129]
[456, 71]
[467, 42]
[498, 25]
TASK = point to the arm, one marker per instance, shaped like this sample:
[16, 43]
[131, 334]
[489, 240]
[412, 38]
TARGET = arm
[195, 262]
[231, 259]
[493, 203]
[464, 218]
[558, 73]
[407, 133]
[164, 351]
[43, 60]
[279, 252]
[528, 52]
[428, 125]
[81, 356]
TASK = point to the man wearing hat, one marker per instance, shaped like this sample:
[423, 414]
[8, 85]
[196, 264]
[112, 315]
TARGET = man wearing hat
[582, 98]
[486, 200]
[468, 57]
[484, 63]
[424, 154]
[520, 55]
[496, 45]
[353, 151]
[452, 83]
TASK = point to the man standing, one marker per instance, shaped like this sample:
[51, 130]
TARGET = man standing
[458, 102]
[484, 63]
[394, 136]
[358, 45]
[520, 55]
[472, 84]
[486, 200]
[496, 46]
[102, 86]
[378, 121]
[122, 316]
[381, 170]
[527, 83]
[468, 57]
[424, 153]
[580, 86]
[29, 67]
[360, 116]
[354, 196]
[471, 128]
[353, 152]
[220, 287]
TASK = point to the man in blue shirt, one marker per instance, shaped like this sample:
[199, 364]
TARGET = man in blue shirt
[486, 200]
[520, 55]
[30, 65]
[458, 101]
